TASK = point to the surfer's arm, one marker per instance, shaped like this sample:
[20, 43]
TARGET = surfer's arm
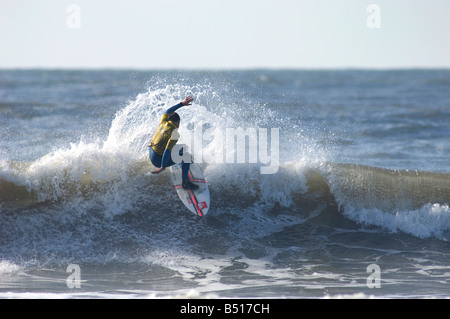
[166, 158]
[187, 101]
[165, 161]
[173, 108]
[159, 170]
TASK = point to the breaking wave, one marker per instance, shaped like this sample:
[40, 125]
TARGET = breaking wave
[102, 193]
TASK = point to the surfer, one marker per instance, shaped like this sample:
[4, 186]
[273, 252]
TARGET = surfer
[165, 138]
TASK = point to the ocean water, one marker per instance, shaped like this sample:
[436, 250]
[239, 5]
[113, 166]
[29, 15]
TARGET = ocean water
[356, 204]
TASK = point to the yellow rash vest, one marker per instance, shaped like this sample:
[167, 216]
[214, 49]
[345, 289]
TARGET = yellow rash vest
[164, 137]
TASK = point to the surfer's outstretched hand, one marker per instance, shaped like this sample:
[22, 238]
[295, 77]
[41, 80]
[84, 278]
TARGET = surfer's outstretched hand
[187, 101]
[159, 170]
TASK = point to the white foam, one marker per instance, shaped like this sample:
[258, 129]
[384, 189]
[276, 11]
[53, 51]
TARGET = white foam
[7, 267]
[431, 220]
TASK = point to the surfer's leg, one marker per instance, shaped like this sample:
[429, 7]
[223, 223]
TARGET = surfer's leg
[185, 170]
[185, 174]
[184, 167]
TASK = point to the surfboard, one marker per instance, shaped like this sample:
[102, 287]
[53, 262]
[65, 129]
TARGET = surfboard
[198, 200]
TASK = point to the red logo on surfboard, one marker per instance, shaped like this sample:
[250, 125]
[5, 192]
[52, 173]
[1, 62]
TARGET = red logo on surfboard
[202, 205]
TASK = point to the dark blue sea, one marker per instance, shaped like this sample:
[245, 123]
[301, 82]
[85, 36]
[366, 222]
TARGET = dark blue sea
[335, 184]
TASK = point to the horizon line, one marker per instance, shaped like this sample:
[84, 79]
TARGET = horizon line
[219, 69]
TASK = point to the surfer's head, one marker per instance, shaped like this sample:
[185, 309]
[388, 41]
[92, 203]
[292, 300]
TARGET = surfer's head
[174, 118]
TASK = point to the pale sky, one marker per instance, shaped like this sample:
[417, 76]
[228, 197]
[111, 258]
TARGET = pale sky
[223, 34]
